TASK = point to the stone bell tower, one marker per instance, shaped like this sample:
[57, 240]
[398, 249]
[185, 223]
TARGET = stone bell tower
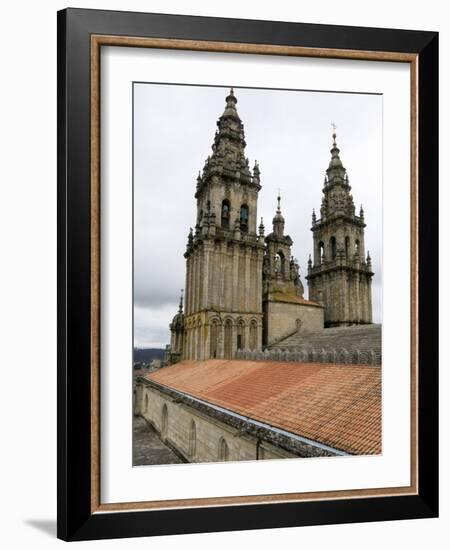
[285, 309]
[224, 254]
[280, 270]
[340, 275]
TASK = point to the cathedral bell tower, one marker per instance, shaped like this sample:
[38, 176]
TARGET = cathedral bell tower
[280, 269]
[224, 254]
[340, 275]
[285, 309]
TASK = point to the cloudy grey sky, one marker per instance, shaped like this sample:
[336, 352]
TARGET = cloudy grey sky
[287, 131]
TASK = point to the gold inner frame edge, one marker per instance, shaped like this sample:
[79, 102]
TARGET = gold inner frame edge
[97, 41]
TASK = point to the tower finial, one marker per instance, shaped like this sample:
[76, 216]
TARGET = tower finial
[333, 125]
[231, 99]
[278, 220]
[261, 228]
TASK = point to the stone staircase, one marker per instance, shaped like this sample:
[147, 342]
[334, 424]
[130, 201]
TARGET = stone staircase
[362, 338]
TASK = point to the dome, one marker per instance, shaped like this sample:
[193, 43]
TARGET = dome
[335, 162]
[177, 321]
[278, 217]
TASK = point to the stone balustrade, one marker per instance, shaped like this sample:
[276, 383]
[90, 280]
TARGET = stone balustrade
[342, 355]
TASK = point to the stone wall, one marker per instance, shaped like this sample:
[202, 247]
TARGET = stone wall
[211, 334]
[199, 438]
[283, 319]
[313, 355]
[200, 433]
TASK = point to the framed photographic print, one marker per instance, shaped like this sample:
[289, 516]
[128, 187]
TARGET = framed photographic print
[247, 274]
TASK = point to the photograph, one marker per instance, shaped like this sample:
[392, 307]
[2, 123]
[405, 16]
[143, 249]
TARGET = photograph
[257, 273]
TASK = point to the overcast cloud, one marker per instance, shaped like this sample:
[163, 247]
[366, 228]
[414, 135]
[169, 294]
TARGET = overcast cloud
[288, 132]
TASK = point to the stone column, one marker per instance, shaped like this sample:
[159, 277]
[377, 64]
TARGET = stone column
[235, 298]
[246, 343]
[194, 281]
[187, 351]
[197, 342]
[223, 294]
[206, 275]
[259, 334]
[247, 256]
[192, 285]
[316, 254]
[342, 278]
[358, 297]
[184, 344]
[197, 281]
[206, 329]
[350, 301]
[233, 339]
[346, 299]
[362, 248]
[220, 341]
[191, 343]
[188, 292]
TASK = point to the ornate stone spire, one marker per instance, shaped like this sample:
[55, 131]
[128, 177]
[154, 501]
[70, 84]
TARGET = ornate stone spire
[256, 173]
[228, 160]
[261, 228]
[231, 100]
[339, 257]
[337, 199]
[335, 168]
[278, 220]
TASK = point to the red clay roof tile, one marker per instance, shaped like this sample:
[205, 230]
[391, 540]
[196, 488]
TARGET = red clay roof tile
[338, 405]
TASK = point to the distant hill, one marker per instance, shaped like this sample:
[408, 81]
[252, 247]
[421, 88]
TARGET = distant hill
[145, 355]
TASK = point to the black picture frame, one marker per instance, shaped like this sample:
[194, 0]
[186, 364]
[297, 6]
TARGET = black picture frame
[76, 521]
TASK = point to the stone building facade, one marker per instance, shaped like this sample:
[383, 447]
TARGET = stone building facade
[243, 290]
[340, 274]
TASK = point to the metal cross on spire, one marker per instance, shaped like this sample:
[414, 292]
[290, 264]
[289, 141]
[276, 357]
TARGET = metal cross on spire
[333, 125]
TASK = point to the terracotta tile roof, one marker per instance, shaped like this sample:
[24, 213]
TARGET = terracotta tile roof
[338, 405]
